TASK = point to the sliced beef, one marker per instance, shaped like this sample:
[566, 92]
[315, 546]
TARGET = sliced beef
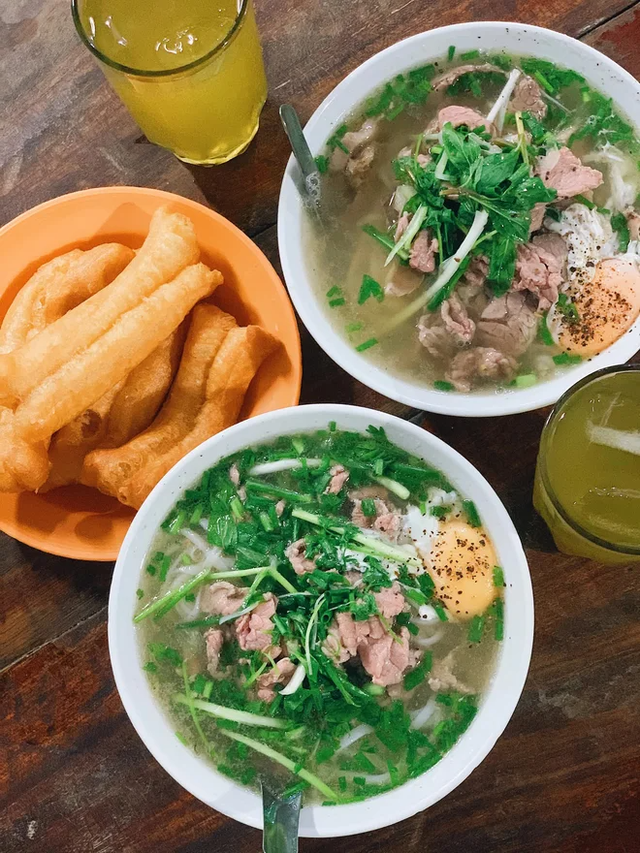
[527, 97]
[222, 598]
[339, 476]
[401, 280]
[383, 656]
[538, 271]
[423, 257]
[456, 320]
[333, 647]
[442, 678]
[554, 244]
[296, 553]
[358, 166]
[280, 507]
[401, 226]
[214, 640]
[356, 140]
[254, 629]
[508, 324]
[473, 366]
[537, 217]
[561, 170]
[459, 116]
[279, 674]
[362, 151]
[390, 600]
[434, 337]
[387, 658]
[449, 77]
[386, 520]
[477, 271]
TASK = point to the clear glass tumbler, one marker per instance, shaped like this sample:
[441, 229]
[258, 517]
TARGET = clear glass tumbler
[189, 71]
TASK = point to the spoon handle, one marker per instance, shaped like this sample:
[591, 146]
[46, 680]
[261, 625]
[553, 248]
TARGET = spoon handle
[301, 150]
[281, 817]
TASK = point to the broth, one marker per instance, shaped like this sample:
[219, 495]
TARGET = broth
[553, 320]
[327, 597]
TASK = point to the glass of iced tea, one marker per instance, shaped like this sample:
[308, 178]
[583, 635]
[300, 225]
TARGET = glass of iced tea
[189, 71]
[587, 485]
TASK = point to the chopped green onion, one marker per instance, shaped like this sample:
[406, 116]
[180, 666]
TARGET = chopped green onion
[476, 629]
[441, 385]
[472, 514]
[322, 163]
[543, 332]
[525, 380]
[393, 486]
[369, 288]
[162, 605]
[254, 486]
[367, 345]
[498, 609]
[286, 762]
[470, 54]
[498, 576]
[566, 358]
[584, 200]
[544, 82]
[178, 522]
[451, 52]
[440, 610]
[237, 510]
[354, 327]
[368, 507]
[150, 666]
[140, 593]
[237, 716]
[164, 568]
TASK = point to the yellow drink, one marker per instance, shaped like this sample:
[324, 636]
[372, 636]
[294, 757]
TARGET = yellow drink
[189, 71]
[587, 485]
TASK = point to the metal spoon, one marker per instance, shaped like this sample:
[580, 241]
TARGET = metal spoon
[301, 152]
[281, 816]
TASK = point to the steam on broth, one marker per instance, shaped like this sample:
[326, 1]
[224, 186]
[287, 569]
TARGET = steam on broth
[326, 609]
[479, 224]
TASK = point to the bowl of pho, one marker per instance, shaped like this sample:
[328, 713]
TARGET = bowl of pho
[476, 250]
[328, 599]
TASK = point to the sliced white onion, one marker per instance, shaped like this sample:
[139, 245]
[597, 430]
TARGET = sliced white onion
[425, 642]
[281, 465]
[238, 613]
[188, 610]
[422, 716]
[626, 440]
[295, 681]
[498, 111]
[354, 735]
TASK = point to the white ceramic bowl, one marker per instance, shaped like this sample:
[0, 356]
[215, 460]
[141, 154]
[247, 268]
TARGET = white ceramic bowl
[601, 72]
[498, 703]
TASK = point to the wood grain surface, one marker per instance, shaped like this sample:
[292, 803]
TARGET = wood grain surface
[74, 777]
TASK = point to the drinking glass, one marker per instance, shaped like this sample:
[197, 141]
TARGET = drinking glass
[190, 72]
[587, 484]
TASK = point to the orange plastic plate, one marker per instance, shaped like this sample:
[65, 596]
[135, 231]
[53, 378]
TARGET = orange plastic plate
[78, 522]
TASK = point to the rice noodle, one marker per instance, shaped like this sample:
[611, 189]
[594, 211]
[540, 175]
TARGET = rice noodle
[378, 779]
[422, 716]
[425, 642]
[354, 735]
[195, 539]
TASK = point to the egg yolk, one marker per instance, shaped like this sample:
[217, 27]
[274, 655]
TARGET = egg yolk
[607, 306]
[461, 563]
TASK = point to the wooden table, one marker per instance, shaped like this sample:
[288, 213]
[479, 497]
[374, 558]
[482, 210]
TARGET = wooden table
[75, 777]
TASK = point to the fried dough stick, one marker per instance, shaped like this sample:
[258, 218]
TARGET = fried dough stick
[120, 414]
[107, 469]
[63, 395]
[170, 246]
[233, 369]
[58, 286]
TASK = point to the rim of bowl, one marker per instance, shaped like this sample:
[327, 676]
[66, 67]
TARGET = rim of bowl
[500, 697]
[304, 293]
